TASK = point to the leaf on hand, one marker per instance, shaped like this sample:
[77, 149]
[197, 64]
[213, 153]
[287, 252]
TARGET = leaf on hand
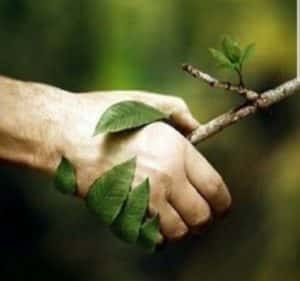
[231, 49]
[65, 177]
[150, 235]
[127, 115]
[222, 60]
[108, 193]
[127, 224]
[248, 52]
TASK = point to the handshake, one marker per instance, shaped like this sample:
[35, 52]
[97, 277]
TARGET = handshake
[124, 153]
[164, 190]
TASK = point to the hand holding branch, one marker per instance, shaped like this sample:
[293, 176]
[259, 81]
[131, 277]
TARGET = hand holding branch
[233, 57]
[163, 183]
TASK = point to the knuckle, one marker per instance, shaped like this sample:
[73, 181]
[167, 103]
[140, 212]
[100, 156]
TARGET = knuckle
[152, 209]
[217, 192]
[200, 217]
[161, 185]
[178, 232]
[156, 197]
[226, 204]
[216, 184]
[181, 104]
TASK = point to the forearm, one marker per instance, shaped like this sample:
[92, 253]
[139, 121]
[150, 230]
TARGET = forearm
[32, 119]
[39, 123]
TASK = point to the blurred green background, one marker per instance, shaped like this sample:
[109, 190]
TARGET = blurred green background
[110, 44]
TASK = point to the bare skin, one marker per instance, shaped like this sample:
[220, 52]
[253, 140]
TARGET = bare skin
[40, 123]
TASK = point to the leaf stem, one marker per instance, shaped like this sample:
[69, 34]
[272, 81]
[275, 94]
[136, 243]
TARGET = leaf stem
[241, 79]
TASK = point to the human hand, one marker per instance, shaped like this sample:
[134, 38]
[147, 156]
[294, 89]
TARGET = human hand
[41, 124]
[185, 189]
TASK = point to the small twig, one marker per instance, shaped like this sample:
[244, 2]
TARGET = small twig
[265, 100]
[241, 79]
[213, 82]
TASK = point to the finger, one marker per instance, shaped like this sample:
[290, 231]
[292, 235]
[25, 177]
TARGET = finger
[180, 115]
[191, 206]
[206, 180]
[183, 119]
[172, 226]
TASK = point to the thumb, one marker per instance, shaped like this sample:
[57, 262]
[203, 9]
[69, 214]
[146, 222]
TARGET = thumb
[184, 122]
[180, 116]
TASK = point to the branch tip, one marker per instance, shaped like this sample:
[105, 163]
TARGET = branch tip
[231, 117]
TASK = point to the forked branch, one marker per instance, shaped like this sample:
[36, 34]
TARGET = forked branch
[254, 102]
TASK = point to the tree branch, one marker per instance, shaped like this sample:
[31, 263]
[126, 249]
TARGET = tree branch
[213, 82]
[231, 117]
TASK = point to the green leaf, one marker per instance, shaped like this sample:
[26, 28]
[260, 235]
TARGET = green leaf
[247, 53]
[150, 235]
[108, 193]
[127, 115]
[237, 66]
[65, 177]
[222, 60]
[128, 223]
[231, 49]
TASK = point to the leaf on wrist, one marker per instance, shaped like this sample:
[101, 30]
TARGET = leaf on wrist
[65, 177]
[127, 115]
[108, 193]
[127, 225]
[150, 235]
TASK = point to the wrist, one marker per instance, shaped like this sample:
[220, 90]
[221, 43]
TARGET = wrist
[30, 127]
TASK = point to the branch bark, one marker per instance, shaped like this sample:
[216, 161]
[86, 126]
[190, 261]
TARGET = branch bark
[213, 82]
[261, 101]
